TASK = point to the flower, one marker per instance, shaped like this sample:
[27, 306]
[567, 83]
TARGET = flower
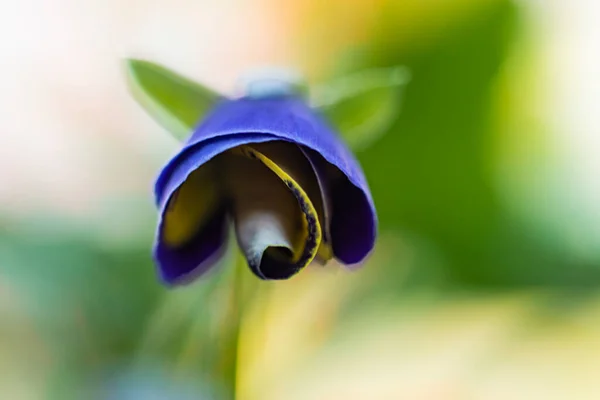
[279, 173]
[266, 164]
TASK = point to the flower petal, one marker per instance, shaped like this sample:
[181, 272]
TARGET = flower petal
[235, 122]
[267, 219]
[192, 231]
[349, 213]
[276, 222]
[190, 206]
[191, 158]
[180, 265]
[295, 161]
[353, 223]
[320, 167]
[354, 226]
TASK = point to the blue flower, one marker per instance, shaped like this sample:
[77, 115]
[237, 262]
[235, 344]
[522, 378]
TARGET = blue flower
[270, 167]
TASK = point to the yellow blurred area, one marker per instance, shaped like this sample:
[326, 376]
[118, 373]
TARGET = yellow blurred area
[495, 348]
[491, 346]
[484, 283]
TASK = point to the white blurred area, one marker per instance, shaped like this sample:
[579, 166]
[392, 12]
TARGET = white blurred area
[71, 135]
[550, 169]
[574, 59]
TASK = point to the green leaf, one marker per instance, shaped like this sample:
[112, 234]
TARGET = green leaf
[363, 105]
[175, 102]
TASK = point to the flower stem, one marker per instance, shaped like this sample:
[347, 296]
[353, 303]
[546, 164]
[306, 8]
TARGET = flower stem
[231, 340]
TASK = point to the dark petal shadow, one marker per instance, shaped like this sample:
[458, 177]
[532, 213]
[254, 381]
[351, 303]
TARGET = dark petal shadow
[353, 229]
[275, 264]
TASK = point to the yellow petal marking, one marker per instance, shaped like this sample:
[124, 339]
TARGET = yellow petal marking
[265, 212]
[292, 159]
[311, 233]
[190, 206]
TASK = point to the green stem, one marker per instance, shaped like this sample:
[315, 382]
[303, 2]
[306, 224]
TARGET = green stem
[231, 342]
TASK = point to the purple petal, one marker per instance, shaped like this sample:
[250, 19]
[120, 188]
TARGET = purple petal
[182, 264]
[236, 122]
[179, 265]
[349, 215]
[353, 223]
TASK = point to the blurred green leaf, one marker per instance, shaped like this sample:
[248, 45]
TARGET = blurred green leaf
[99, 305]
[433, 177]
[175, 102]
[363, 105]
[437, 184]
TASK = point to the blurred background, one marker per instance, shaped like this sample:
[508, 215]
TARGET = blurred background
[485, 283]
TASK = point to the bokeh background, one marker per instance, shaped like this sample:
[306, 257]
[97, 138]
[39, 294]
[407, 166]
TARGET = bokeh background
[485, 283]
